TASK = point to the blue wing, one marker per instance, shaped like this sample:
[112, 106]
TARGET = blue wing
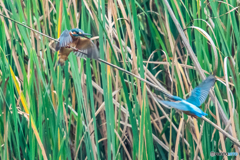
[184, 107]
[200, 93]
[64, 40]
[177, 105]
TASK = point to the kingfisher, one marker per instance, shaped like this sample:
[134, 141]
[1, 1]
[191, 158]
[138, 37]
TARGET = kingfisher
[191, 105]
[75, 40]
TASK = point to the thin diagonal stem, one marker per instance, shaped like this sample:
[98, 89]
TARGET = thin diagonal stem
[100, 60]
[234, 140]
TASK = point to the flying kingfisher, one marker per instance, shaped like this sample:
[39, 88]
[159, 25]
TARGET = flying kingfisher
[75, 38]
[191, 105]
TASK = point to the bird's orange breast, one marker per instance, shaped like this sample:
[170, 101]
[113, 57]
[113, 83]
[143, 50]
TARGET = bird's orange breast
[63, 54]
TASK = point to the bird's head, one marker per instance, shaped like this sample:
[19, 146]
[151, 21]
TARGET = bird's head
[76, 32]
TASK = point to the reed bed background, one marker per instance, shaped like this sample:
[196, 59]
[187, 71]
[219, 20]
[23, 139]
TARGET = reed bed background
[87, 110]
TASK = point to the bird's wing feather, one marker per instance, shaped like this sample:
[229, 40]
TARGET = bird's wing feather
[88, 47]
[64, 40]
[177, 105]
[200, 93]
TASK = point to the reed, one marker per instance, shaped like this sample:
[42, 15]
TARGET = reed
[87, 109]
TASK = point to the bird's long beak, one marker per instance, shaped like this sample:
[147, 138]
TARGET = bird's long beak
[85, 35]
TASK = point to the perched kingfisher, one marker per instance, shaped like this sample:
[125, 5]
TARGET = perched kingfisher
[191, 105]
[75, 38]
